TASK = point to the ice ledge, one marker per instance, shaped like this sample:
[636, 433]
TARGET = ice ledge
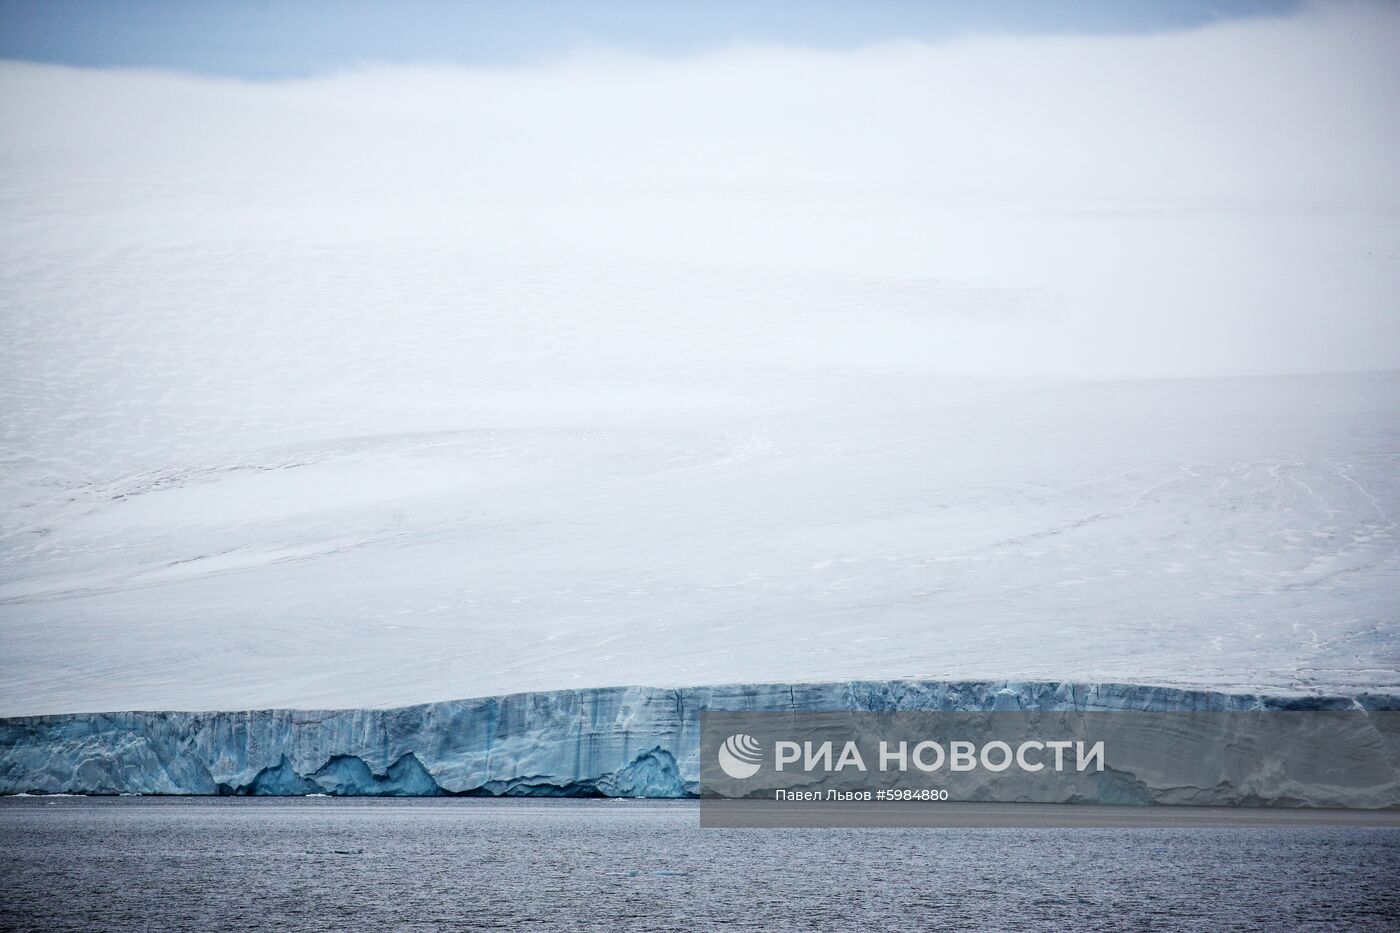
[615, 742]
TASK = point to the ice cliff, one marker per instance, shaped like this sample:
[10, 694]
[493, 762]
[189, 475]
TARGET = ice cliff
[623, 741]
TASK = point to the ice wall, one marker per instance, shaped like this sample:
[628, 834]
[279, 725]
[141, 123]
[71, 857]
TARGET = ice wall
[622, 741]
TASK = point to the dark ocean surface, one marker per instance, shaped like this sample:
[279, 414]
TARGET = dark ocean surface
[75, 863]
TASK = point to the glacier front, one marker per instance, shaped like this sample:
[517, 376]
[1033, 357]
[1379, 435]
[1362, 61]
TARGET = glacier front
[617, 742]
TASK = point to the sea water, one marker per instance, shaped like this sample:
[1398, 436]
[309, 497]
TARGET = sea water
[76, 863]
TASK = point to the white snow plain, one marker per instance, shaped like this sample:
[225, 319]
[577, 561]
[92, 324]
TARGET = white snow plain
[414, 385]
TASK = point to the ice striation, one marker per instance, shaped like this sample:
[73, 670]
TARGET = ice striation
[611, 742]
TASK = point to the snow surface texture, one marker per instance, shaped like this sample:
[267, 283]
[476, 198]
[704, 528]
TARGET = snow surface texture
[629, 742]
[409, 385]
[1212, 533]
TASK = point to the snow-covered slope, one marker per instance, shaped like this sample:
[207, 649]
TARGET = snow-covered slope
[1214, 532]
[412, 385]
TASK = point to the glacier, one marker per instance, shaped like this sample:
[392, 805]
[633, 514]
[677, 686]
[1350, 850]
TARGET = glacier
[1223, 534]
[610, 742]
[326, 402]
[279, 429]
